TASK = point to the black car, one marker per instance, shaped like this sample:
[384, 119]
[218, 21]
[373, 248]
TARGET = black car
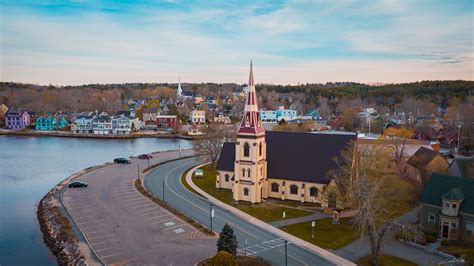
[74, 184]
[145, 156]
[121, 160]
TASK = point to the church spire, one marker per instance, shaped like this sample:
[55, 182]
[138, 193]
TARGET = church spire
[179, 91]
[251, 123]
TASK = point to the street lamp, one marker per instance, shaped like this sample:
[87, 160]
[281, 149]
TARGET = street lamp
[138, 171]
[286, 253]
[211, 215]
[245, 248]
[313, 224]
[284, 218]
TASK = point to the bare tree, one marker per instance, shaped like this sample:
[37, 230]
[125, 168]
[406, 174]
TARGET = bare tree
[210, 146]
[362, 175]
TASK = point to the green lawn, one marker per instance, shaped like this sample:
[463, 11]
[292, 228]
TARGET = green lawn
[263, 211]
[386, 260]
[326, 234]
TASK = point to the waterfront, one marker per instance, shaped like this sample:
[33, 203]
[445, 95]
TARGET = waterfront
[31, 166]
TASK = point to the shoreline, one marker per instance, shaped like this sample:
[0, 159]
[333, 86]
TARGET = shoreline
[67, 134]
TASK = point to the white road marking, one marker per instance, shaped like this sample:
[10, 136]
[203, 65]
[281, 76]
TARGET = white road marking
[95, 237]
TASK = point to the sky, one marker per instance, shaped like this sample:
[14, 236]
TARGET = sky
[290, 42]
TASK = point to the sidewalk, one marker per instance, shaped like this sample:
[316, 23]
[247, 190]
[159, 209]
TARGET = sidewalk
[267, 227]
[315, 216]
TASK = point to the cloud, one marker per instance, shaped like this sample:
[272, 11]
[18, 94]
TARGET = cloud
[291, 41]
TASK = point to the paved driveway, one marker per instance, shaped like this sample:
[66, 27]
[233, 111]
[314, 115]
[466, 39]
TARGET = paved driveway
[124, 227]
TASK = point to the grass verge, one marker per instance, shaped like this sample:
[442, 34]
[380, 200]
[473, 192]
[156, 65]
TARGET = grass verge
[242, 261]
[263, 211]
[200, 227]
[326, 235]
[459, 249]
[386, 260]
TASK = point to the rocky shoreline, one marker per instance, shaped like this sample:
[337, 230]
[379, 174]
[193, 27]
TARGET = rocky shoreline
[57, 232]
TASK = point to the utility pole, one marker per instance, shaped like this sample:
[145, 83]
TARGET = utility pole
[459, 135]
[164, 190]
[138, 171]
[286, 254]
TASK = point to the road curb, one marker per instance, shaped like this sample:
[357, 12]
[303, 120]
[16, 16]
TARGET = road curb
[331, 257]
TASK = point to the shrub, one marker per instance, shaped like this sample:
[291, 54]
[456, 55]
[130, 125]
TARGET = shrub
[445, 242]
[430, 238]
[222, 258]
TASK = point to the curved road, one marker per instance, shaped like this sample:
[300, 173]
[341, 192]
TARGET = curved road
[259, 242]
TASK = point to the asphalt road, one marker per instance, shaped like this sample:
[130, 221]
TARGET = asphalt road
[259, 242]
[124, 227]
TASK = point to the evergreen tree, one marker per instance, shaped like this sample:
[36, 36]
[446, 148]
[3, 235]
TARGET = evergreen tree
[227, 240]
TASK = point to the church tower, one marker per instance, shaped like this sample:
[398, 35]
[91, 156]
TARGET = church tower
[179, 92]
[250, 168]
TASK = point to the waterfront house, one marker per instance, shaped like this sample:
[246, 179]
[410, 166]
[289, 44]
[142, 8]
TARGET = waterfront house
[121, 125]
[82, 124]
[447, 207]
[102, 125]
[166, 121]
[62, 122]
[46, 122]
[17, 119]
[221, 118]
[149, 115]
[198, 116]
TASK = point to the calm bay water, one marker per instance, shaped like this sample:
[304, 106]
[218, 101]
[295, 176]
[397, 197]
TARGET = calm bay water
[31, 166]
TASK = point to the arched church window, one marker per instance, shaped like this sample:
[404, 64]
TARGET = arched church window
[226, 178]
[275, 187]
[248, 172]
[313, 192]
[246, 150]
[246, 191]
[261, 171]
[260, 149]
[243, 172]
[294, 189]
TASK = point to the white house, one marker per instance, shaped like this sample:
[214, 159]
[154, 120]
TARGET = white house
[82, 124]
[102, 125]
[121, 125]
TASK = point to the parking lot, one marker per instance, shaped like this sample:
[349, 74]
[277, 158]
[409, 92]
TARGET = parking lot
[124, 227]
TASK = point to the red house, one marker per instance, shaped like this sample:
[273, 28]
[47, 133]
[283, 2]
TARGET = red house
[166, 121]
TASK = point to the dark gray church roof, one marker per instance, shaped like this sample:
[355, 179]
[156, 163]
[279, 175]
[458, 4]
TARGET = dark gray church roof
[295, 156]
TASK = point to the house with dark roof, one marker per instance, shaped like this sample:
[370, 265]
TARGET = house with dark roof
[426, 161]
[447, 206]
[462, 167]
[283, 165]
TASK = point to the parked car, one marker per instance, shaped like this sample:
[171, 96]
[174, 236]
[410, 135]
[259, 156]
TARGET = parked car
[145, 156]
[121, 160]
[77, 183]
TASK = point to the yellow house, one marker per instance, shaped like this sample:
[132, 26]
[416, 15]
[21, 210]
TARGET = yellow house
[280, 165]
[425, 162]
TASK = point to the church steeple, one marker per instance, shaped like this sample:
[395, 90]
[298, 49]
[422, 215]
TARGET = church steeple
[251, 124]
[179, 92]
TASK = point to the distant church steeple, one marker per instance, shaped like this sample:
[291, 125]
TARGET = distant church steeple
[179, 92]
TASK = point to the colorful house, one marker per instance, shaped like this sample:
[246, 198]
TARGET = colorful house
[62, 122]
[46, 123]
[19, 119]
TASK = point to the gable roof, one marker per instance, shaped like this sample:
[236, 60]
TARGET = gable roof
[454, 194]
[463, 167]
[440, 185]
[151, 110]
[227, 157]
[422, 157]
[295, 156]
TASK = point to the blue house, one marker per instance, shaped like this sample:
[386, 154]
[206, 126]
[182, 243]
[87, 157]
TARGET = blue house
[46, 123]
[62, 123]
